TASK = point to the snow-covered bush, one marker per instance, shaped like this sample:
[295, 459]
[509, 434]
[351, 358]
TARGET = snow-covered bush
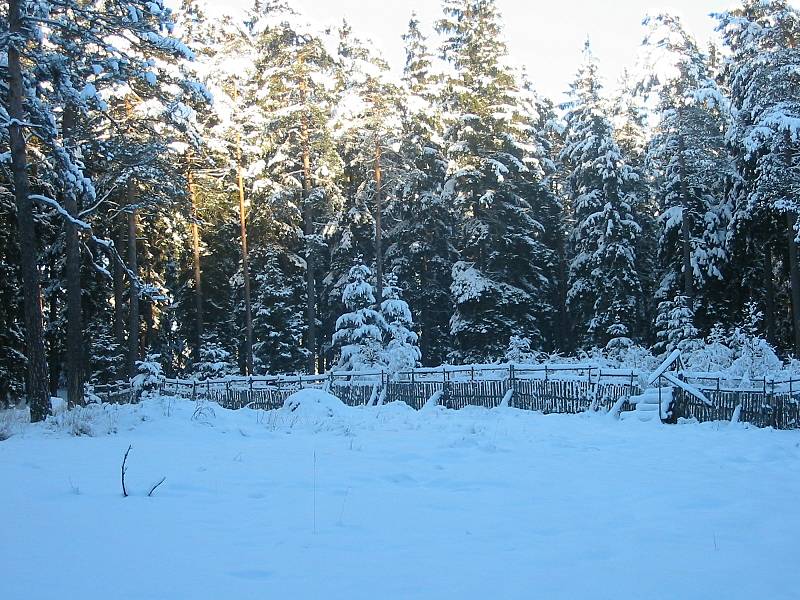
[11, 420]
[92, 420]
[359, 332]
[215, 361]
[149, 374]
[402, 352]
[754, 355]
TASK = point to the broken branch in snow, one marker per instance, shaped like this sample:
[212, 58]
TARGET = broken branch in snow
[124, 469]
[153, 489]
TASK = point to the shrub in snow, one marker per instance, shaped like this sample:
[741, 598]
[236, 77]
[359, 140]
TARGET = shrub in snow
[313, 403]
[519, 350]
[149, 374]
[402, 352]
[215, 361]
[92, 420]
[715, 355]
[754, 355]
[359, 332]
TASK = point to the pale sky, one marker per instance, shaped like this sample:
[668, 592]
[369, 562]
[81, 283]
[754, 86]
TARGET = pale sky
[545, 36]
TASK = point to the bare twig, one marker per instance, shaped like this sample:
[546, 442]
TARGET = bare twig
[124, 469]
[153, 489]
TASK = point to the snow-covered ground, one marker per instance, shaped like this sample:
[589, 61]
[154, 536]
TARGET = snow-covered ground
[384, 502]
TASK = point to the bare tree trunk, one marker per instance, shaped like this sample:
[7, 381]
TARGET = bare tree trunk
[37, 377]
[688, 287]
[133, 296]
[769, 298]
[119, 296]
[198, 283]
[308, 230]
[378, 225]
[794, 275]
[74, 349]
[248, 316]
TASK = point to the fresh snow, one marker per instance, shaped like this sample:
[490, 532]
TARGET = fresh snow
[386, 502]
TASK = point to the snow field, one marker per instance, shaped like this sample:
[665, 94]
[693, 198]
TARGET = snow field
[320, 500]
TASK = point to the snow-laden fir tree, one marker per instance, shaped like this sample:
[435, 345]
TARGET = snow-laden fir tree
[402, 350]
[604, 294]
[215, 361]
[420, 238]
[493, 179]
[675, 327]
[297, 78]
[762, 73]
[360, 331]
[689, 163]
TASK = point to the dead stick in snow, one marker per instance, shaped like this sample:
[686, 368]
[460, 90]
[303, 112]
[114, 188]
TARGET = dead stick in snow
[153, 489]
[124, 468]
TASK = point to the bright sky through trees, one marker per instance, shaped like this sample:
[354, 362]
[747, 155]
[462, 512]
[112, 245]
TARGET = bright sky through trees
[546, 37]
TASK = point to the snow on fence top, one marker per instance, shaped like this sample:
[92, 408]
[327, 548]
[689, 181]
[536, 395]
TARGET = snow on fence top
[588, 372]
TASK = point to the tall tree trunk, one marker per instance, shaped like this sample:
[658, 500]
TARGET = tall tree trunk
[794, 275]
[74, 345]
[37, 378]
[308, 230]
[133, 295]
[378, 225]
[248, 316]
[769, 298]
[119, 296]
[688, 287]
[198, 283]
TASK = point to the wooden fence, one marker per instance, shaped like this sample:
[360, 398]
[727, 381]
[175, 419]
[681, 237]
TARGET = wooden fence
[780, 410]
[547, 389]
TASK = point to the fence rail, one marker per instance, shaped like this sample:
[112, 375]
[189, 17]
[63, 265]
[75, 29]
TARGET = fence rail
[563, 388]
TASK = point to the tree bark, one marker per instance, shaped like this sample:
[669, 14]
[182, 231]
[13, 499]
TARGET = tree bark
[688, 287]
[133, 296]
[198, 282]
[378, 225]
[119, 297]
[769, 298]
[74, 342]
[794, 275]
[37, 377]
[248, 316]
[308, 230]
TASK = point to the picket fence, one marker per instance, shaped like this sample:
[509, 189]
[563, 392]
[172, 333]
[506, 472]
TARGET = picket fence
[543, 388]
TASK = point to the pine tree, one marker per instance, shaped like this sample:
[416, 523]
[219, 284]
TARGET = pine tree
[675, 327]
[761, 72]
[296, 77]
[402, 352]
[420, 246]
[215, 361]
[604, 292]
[688, 158]
[499, 280]
[359, 332]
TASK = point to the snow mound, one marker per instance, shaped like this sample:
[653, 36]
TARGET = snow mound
[314, 404]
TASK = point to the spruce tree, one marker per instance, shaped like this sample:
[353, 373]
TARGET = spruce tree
[689, 162]
[761, 73]
[604, 293]
[498, 281]
[360, 330]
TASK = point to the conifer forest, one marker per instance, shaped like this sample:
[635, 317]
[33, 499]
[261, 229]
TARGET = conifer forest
[206, 197]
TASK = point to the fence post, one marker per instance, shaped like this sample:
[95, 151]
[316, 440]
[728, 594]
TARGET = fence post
[545, 373]
[194, 389]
